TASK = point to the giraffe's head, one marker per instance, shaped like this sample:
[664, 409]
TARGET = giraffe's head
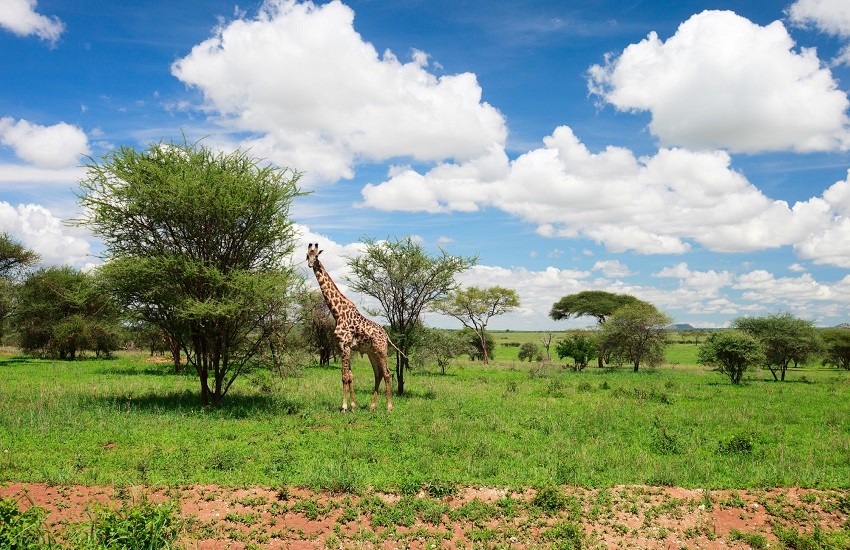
[313, 254]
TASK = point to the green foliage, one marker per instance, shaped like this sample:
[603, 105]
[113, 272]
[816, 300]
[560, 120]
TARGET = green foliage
[837, 347]
[550, 500]
[565, 535]
[14, 257]
[23, 529]
[62, 312]
[142, 525]
[754, 540]
[730, 352]
[635, 333]
[738, 444]
[530, 351]
[473, 344]
[197, 241]
[784, 338]
[580, 346]
[474, 307]
[440, 346]
[404, 280]
[592, 303]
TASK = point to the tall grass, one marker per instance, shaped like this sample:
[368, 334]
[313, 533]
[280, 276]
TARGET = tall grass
[125, 421]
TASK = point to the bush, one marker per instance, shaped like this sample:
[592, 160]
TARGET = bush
[730, 352]
[143, 525]
[528, 350]
[22, 529]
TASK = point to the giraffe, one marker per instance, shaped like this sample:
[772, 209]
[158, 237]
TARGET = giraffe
[353, 332]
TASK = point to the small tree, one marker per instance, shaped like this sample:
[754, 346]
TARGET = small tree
[473, 344]
[592, 303]
[785, 339]
[317, 326]
[14, 260]
[62, 312]
[474, 307]
[404, 280]
[546, 340]
[580, 347]
[837, 347]
[635, 333]
[730, 352]
[529, 350]
[196, 242]
[440, 347]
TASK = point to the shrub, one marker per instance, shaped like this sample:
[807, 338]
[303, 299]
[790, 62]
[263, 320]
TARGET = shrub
[528, 350]
[22, 529]
[730, 352]
[142, 525]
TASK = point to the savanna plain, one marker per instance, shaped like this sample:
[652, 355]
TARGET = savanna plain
[511, 454]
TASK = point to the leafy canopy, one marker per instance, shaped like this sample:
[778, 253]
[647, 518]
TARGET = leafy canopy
[197, 242]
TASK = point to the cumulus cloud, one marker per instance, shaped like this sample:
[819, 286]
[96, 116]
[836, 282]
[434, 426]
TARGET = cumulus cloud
[20, 17]
[613, 269]
[52, 147]
[317, 97]
[724, 82]
[832, 16]
[656, 204]
[39, 230]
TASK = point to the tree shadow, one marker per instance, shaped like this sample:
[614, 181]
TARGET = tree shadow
[236, 407]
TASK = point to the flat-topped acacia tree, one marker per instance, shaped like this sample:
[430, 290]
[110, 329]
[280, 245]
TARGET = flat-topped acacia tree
[196, 242]
[593, 303]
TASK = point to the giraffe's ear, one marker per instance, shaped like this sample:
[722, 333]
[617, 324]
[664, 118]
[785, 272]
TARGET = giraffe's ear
[320, 251]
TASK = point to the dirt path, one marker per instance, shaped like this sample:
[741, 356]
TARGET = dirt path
[620, 517]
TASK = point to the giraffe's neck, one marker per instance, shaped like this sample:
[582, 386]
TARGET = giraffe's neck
[335, 299]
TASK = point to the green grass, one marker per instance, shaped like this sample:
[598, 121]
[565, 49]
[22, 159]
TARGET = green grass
[125, 421]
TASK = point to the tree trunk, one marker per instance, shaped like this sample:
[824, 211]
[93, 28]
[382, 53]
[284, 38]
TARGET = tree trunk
[484, 348]
[399, 372]
[175, 354]
[637, 364]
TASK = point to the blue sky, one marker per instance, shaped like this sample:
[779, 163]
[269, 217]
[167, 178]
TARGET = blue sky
[694, 153]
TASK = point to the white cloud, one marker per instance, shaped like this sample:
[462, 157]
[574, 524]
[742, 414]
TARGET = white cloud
[20, 17]
[56, 146]
[700, 294]
[318, 97]
[724, 82]
[832, 16]
[797, 268]
[613, 269]
[39, 230]
[658, 204]
[707, 283]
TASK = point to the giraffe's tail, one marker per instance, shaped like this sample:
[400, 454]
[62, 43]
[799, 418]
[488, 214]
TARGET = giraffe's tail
[395, 346]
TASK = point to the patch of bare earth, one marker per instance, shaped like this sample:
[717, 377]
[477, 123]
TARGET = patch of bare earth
[619, 517]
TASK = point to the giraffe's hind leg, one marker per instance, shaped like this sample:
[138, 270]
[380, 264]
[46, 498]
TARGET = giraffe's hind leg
[379, 366]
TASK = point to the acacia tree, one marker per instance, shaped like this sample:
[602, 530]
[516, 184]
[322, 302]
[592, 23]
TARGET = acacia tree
[474, 307]
[635, 332]
[592, 303]
[581, 346]
[317, 326]
[785, 339]
[836, 347]
[62, 312]
[15, 258]
[404, 280]
[440, 346]
[730, 352]
[196, 243]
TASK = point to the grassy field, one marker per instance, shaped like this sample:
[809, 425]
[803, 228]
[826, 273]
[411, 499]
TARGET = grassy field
[128, 421]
